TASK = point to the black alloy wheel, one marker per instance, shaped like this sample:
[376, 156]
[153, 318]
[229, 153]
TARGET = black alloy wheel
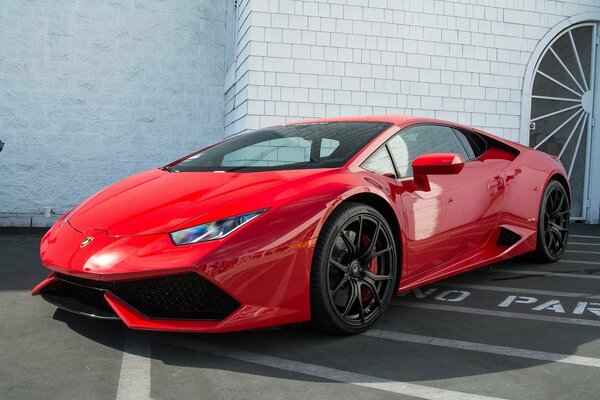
[354, 270]
[553, 223]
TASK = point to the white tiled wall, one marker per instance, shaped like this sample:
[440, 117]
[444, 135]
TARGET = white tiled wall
[237, 75]
[458, 60]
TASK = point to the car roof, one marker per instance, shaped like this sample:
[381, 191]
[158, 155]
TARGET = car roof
[399, 120]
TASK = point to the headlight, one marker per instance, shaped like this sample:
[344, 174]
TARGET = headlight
[213, 230]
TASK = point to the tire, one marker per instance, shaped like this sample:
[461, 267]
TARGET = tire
[352, 281]
[553, 223]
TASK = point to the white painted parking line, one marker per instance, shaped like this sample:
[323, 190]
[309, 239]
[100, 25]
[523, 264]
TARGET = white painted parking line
[494, 313]
[582, 252]
[134, 379]
[584, 244]
[578, 262]
[585, 236]
[485, 348]
[402, 388]
[544, 273]
[521, 290]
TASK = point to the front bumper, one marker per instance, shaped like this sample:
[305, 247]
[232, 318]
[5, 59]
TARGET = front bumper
[180, 303]
[185, 296]
[253, 282]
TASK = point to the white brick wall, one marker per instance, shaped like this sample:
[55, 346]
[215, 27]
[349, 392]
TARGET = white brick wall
[457, 60]
[249, 55]
[93, 91]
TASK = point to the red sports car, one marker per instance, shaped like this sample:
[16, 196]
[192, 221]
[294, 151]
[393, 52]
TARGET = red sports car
[320, 221]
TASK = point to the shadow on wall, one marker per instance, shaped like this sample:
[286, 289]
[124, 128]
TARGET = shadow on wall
[1, 145]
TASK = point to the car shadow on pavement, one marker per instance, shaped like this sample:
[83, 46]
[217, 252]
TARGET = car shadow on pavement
[377, 359]
[291, 353]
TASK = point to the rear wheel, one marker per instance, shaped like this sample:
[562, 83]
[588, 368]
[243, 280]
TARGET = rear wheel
[354, 270]
[553, 223]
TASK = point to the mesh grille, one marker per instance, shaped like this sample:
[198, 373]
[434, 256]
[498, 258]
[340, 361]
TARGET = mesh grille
[183, 296]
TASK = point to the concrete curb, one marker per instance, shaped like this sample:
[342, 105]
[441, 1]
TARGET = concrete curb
[27, 220]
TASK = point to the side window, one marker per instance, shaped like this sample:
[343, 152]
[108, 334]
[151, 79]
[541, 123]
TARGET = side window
[380, 162]
[465, 144]
[423, 139]
[475, 144]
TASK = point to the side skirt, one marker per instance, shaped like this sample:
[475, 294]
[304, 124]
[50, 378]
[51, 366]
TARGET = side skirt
[494, 251]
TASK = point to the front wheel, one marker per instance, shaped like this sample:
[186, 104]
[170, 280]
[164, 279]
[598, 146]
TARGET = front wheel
[553, 223]
[354, 270]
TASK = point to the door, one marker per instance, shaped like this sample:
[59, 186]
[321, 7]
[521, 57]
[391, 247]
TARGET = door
[459, 212]
[562, 108]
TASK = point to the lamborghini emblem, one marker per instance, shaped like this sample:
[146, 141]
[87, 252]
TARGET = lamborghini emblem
[86, 241]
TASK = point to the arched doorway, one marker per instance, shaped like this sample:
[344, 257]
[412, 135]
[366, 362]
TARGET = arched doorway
[561, 115]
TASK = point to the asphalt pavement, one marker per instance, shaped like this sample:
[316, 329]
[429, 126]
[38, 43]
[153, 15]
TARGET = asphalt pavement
[514, 330]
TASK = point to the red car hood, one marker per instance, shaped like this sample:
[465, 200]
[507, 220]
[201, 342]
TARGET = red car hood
[157, 201]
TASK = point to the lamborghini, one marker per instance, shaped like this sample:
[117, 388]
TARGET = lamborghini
[321, 221]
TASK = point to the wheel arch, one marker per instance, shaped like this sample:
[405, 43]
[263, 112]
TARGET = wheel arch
[385, 209]
[380, 204]
[542, 252]
[563, 180]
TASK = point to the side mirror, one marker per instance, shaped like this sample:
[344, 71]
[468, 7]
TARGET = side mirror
[436, 164]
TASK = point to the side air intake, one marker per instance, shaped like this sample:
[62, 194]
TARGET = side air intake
[507, 237]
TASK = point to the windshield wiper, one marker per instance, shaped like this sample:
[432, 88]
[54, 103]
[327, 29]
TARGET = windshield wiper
[169, 169]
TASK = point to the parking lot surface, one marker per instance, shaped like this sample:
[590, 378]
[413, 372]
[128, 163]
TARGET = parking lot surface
[514, 330]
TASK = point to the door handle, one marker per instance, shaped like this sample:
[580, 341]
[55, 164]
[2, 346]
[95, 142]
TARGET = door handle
[512, 174]
[497, 183]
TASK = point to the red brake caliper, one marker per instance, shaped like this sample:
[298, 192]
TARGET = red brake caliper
[365, 292]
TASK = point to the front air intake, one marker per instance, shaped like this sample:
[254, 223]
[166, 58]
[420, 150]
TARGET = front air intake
[184, 296]
[78, 299]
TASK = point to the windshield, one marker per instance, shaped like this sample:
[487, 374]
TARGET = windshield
[313, 145]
